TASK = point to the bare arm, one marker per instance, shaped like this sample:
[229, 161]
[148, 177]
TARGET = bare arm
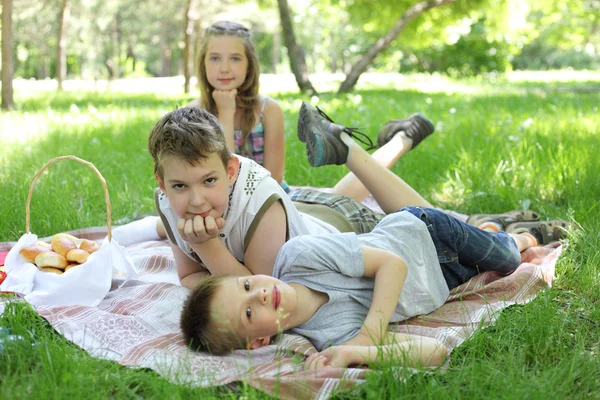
[189, 271]
[260, 254]
[274, 151]
[389, 272]
[412, 350]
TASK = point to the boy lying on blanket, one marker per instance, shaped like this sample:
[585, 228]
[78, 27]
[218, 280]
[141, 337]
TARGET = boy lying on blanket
[342, 290]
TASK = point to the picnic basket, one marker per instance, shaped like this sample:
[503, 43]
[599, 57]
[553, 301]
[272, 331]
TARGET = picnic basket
[84, 285]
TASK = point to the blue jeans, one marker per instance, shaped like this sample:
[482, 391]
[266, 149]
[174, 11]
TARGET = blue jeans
[464, 250]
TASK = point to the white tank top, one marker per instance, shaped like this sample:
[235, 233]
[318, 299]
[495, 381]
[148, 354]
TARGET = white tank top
[250, 197]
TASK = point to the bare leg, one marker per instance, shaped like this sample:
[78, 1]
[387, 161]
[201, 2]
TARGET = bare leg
[386, 156]
[388, 189]
[524, 241]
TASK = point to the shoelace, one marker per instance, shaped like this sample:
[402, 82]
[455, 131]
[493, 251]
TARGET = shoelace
[353, 132]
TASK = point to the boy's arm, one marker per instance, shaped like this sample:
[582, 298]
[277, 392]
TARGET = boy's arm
[260, 254]
[389, 272]
[274, 140]
[412, 350]
[189, 271]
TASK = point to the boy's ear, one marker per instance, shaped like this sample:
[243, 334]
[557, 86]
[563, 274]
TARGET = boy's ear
[161, 182]
[258, 343]
[233, 167]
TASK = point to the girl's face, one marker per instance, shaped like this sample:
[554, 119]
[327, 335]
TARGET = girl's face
[226, 62]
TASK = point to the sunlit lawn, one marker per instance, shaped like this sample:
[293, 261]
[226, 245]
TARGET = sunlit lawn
[499, 145]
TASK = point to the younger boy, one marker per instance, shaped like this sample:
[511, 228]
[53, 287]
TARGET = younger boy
[342, 290]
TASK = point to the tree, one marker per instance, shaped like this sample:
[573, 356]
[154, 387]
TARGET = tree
[7, 56]
[189, 23]
[61, 44]
[383, 42]
[295, 52]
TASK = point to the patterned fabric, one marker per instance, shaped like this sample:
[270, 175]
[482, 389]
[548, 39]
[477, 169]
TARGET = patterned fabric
[362, 218]
[255, 145]
[135, 325]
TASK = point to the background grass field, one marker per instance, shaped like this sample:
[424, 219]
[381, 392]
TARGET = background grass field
[499, 145]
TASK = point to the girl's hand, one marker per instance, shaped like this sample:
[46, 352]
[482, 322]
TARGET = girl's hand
[225, 100]
[198, 229]
[335, 357]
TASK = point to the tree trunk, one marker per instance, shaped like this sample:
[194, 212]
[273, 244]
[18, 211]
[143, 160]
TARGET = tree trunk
[297, 60]
[7, 56]
[115, 47]
[383, 42]
[197, 42]
[61, 52]
[165, 52]
[188, 35]
[275, 52]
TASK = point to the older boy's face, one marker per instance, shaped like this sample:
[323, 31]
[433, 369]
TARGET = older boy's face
[199, 189]
[254, 306]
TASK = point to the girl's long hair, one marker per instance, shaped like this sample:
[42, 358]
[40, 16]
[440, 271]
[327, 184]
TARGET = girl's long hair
[247, 93]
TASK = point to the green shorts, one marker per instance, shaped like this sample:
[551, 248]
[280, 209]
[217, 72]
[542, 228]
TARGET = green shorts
[361, 218]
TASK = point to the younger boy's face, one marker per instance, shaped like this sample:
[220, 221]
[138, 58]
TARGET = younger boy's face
[257, 306]
[200, 189]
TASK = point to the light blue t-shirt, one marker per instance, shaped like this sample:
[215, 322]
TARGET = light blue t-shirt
[334, 264]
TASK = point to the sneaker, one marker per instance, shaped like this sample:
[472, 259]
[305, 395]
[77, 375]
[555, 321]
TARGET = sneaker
[504, 219]
[322, 137]
[417, 127]
[545, 232]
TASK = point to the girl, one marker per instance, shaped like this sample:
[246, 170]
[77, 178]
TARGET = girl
[228, 76]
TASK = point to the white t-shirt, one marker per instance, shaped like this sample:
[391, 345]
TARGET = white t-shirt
[334, 264]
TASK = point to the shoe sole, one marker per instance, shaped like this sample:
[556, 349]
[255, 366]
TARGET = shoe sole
[425, 120]
[314, 147]
[305, 119]
[504, 219]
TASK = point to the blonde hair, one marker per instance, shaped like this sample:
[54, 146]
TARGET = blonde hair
[198, 324]
[191, 134]
[247, 93]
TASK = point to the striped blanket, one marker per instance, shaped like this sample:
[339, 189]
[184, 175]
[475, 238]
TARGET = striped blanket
[137, 325]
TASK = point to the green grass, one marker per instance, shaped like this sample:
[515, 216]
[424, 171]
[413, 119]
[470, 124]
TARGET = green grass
[498, 146]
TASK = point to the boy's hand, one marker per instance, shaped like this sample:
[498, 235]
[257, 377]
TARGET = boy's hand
[335, 357]
[198, 229]
[225, 100]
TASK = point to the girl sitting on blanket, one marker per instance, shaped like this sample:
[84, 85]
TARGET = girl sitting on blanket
[342, 290]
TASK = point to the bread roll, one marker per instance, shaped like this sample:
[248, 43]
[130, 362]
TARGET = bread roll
[66, 235]
[51, 259]
[68, 267]
[29, 253]
[52, 270]
[89, 245]
[62, 244]
[78, 256]
[41, 243]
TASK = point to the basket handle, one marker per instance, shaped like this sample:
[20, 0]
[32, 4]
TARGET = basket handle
[80, 161]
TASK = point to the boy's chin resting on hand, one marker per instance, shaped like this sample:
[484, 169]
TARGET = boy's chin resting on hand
[200, 230]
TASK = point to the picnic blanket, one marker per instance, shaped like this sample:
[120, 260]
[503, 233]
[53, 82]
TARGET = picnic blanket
[137, 325]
